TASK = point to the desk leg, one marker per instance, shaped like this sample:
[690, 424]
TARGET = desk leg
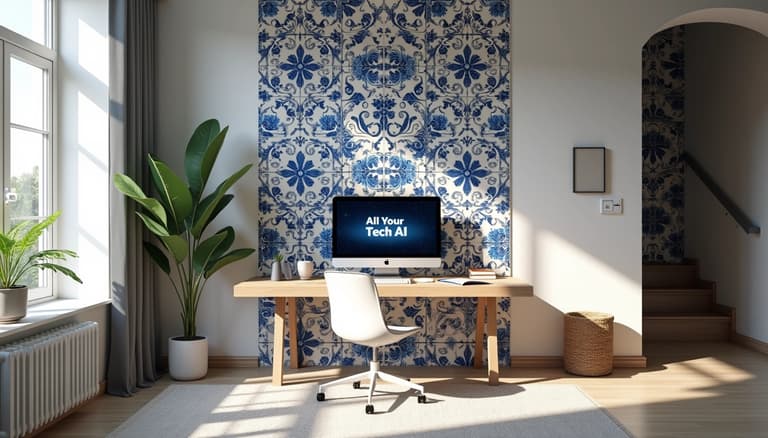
[493, 345]
[293, 334]
[479, 331]
[277, 342]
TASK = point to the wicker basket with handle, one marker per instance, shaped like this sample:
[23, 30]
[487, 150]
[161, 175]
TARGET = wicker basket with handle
[588, 343]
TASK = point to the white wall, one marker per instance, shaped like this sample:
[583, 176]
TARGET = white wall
[727, 132]
[83, 178]
[576, 79]
[207, 61]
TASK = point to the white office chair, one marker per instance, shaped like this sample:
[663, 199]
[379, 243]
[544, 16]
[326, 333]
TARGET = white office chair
[356, 317]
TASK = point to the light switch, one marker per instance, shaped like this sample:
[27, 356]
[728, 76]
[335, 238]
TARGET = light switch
[611, 206]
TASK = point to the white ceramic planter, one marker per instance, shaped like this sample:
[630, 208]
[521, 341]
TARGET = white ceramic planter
[13, 304]
[188, 359]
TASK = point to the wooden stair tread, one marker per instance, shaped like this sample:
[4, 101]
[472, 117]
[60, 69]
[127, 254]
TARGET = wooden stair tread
[677, 290]
[678, 315]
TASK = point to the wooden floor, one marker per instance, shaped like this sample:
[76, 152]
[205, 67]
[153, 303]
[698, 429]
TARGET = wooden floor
[688, 390]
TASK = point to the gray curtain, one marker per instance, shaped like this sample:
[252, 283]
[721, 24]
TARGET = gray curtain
[133, 356]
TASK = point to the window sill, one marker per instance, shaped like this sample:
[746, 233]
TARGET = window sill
[42, 314]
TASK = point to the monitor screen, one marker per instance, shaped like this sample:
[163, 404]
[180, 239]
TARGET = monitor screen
[386, 232]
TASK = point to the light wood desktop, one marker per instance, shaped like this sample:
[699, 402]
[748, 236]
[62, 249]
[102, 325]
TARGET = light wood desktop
[286, 292]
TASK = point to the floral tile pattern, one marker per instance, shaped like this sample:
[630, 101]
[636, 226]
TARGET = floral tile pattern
[663, 140]
[385, 98]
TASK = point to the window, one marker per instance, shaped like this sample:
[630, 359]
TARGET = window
[26, 111]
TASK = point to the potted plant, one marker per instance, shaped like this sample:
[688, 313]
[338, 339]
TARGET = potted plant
[19, 258]
[178, 216]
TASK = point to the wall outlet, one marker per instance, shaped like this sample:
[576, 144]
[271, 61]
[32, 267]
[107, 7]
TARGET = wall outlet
[611, 206]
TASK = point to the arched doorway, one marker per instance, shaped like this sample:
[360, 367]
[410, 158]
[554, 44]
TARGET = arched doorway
[706, 98]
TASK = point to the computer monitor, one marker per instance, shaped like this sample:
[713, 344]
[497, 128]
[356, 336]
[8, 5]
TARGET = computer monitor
[386, 233]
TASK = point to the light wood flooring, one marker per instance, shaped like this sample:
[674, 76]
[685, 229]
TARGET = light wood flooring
[688, 390]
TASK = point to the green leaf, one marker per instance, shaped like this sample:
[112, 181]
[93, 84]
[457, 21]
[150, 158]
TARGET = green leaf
[203, 220]
[6, 244]
[223, 202]
[177, 246]
[211, 153]
[153, 226]
[130, 189]
[230, 257]
[128, 186]
[203, 252]
[196, 150]
[35, 231]
[58, 268]
[173, 191]
[229, 238]
[53, 254]
[157, 256]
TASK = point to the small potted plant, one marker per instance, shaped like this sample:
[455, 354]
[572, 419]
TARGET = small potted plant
[19, 258]
[178, 216]
[277, 272]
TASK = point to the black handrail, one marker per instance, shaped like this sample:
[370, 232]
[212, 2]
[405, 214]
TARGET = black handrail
[730, 206]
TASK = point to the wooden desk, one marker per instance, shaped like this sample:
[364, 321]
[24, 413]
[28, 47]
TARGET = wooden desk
[289, 290]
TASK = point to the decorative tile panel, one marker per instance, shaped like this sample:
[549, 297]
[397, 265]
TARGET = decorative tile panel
[663, 141]
[385, 98]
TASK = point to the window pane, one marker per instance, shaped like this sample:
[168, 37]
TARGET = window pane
[25, 197]
[27, 17]
[27, 94]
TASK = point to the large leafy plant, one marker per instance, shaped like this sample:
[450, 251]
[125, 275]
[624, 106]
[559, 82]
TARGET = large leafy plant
[179, 214]
[19, 256]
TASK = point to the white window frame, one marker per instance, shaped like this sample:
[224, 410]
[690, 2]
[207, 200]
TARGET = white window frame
[44, 57]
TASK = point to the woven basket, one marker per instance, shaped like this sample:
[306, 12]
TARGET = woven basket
[588, 343]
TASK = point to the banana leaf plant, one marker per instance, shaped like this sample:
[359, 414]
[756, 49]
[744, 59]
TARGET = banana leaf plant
[179, 214]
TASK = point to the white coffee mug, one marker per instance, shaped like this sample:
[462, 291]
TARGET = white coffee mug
[305, 268]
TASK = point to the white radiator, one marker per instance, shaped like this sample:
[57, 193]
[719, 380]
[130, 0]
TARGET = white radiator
[44, 375]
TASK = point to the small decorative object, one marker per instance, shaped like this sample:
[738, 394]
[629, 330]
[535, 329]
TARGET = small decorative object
[287, 271]
[276, 271]
[19, 259]
[305, 269]
[178, 216]
[588, 169]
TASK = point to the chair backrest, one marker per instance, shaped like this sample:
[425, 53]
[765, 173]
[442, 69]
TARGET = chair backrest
[355, 310]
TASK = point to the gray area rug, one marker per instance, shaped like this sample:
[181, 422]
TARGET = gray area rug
[453, 410]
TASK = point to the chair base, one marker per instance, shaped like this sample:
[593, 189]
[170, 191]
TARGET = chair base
[372, 375]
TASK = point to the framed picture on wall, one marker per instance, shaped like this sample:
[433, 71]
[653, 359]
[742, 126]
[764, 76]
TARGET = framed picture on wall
[589, 169]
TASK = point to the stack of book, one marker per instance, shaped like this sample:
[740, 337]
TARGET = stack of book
[482, 274]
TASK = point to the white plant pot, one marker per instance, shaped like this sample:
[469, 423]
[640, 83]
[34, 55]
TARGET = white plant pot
[305, 269]
[13, 304]
[188, 358]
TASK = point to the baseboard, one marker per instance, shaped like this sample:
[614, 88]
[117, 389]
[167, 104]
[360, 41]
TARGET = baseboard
[557, 362]
[222, 362]
[233, 362]
[749, 342]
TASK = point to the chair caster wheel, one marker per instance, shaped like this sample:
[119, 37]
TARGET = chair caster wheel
[320, 396]
[422, 399]
[368, 409]
[356, 385]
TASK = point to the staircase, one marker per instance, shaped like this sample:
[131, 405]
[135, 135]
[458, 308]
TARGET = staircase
[679, 306]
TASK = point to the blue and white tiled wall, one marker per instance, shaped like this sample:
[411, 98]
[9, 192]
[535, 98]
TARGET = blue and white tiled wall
[663, 141]
[386, 98]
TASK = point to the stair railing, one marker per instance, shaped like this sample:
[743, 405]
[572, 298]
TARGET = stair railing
[736, 213]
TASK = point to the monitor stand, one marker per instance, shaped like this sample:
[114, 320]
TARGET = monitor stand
[389, 276]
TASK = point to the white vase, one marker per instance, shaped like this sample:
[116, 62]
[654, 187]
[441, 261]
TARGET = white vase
[305, 269]
[13, 304]
[276, 272]
[188, 358]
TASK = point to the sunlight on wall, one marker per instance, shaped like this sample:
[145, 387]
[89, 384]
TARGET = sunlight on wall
[93, 52]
